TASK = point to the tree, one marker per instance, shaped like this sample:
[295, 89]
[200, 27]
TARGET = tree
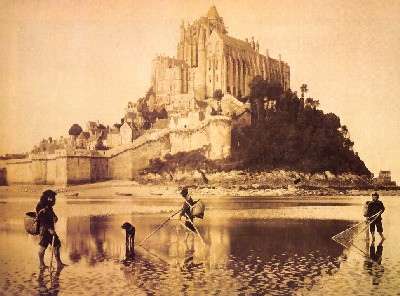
[75, 130]
[260, 91]
[344, 131]
[303, 89]
[163, 114]
[313, 103]
[303, 139]
[117, 125]
[100, 145]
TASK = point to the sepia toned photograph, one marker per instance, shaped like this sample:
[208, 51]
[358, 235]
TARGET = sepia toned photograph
[199, 147]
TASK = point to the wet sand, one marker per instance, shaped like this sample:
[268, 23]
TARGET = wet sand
[132, 190]
[253, 247]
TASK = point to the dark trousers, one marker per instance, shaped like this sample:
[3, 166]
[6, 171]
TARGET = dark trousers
[46, 239]
[378, 224]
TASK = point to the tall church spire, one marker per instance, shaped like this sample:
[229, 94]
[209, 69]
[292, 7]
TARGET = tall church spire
[212, 13]
[215, 20]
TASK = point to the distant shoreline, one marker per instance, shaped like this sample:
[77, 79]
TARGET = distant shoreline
[132, 189]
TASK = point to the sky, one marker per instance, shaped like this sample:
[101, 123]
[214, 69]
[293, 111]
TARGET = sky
[65, 62]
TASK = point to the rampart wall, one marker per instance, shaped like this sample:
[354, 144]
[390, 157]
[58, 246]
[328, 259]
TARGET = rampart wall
[123, 162]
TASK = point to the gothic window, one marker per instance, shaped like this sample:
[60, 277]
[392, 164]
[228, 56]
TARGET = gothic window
[216, 78]
[216, 65]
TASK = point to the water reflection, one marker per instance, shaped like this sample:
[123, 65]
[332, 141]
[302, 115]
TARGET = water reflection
[258, 256]
[373, 263]
[49, 283]
[263, 254]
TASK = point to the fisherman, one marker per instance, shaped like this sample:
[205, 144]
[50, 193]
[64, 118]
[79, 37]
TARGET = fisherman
[374, 207]
[48, 235]
[186, 210]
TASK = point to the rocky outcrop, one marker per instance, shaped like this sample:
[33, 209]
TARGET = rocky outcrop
[236, 181]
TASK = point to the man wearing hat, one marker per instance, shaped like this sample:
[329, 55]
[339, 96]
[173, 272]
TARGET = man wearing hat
[48, 235]
[374, 207]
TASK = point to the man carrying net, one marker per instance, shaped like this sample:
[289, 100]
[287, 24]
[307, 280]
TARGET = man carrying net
[374, 210]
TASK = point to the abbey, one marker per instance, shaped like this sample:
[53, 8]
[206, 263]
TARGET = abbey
[183, 110]
[209, 59]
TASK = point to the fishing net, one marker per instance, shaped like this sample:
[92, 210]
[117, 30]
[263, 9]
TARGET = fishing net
[346, 237]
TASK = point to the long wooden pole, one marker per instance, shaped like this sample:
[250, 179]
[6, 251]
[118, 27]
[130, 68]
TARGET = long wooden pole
[158, 228]
[195, 228]
[51, 258]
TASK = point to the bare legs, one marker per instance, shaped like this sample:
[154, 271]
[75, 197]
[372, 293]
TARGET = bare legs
[41, 253]
[60, 264]
[380, 234]
[41, 257]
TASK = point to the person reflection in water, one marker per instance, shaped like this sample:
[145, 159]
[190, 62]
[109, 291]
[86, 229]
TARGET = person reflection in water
[48, 236]
[189, 269]
[373, 263]
[53, 279]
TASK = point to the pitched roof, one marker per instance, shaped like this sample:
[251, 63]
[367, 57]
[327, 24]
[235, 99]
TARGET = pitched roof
[213, 13]
[236, 43]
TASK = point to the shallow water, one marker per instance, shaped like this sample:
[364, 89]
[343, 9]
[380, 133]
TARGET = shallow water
[252, 247]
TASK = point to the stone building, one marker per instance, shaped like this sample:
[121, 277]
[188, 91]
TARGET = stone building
[126, 133]
[113, 138]
[209, 59]
[385, 178]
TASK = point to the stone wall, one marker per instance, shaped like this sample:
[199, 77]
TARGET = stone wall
[214, 133]
[123, 162]
[219, 135]
[183, 140]
[19, 171]
[120, 165]
[98, 169]
[39, 169]
[61, 171]
[51, 171]
[60, 168]
[78, 169]
[126, 161]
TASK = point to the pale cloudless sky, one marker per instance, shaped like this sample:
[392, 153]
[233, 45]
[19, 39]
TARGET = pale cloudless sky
[65, 62]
